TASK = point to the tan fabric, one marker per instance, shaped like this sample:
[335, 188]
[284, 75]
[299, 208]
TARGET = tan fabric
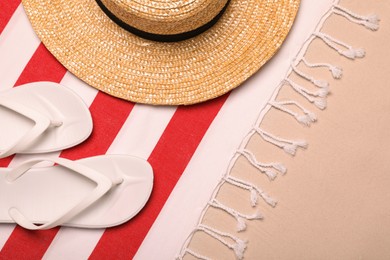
[334, 202]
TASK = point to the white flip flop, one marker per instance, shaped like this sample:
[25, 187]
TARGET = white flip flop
[96, 192]
[41, 117]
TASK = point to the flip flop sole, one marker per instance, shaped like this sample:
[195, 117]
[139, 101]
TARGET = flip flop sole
[43, 193]
[53, 101]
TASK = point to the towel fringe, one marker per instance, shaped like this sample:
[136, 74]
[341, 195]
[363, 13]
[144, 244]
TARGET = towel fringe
[240, 217]
[316, 82]
[318, 97]
[370, 22]
[254, 190]
[346, 50]
[336, 71]
[266, 168]
[289, 146]
[238, 247]
[306, 118]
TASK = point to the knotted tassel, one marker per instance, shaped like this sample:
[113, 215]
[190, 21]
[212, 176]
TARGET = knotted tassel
[336, 71]
[264, 168]
[306, 119]
[238, 247]
[317, 82]
[348, 52]
[370, 22]
[313, 97]
[254, 191]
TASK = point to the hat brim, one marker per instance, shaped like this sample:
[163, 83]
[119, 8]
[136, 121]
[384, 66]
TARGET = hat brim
[109, 58]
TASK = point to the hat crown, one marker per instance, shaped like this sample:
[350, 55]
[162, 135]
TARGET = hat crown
[165, 17]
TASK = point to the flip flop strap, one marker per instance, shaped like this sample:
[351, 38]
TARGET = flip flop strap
[104, 184]
[42, 122]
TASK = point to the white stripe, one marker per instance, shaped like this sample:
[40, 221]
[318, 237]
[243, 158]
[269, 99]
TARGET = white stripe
[73, 243]
[142, 130]
[18, 43]
[138, 136]
[191, 194]
[5, 232]
[86, 92]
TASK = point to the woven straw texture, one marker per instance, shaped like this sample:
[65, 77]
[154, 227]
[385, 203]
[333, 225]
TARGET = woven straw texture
[127, 66]
[166, 17]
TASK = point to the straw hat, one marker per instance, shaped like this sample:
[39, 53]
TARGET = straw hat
[167, 52]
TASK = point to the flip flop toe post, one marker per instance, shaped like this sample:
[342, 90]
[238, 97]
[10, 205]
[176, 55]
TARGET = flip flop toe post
[42, 117]
[96, 192]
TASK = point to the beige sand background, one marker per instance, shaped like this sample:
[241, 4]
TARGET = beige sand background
[334, 202]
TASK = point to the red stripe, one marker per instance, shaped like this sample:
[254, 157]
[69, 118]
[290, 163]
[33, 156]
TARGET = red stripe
[108, 113]
[42, 66]
[169, 159]
[25, 244]
[6, 161]
[7, 9]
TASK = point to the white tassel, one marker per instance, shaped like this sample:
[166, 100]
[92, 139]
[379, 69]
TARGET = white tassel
[239, 248]
[370, 22]
[317, 82]
[260, 166]
[306, 119]
[269, 200]
[320, 103]
[254, 197]
[360, 53]
[324, 92]
[254, 191]
[337, 72]
[301, 143]
[321, 83]
[241, 225]
[312, 116]
[348, 52]
[288, 146]
[353, 53]
[270, 174]
[257, 215]
[292, 148]
[371, 26]
[308, 94]
[280, 167]
[373, 18]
